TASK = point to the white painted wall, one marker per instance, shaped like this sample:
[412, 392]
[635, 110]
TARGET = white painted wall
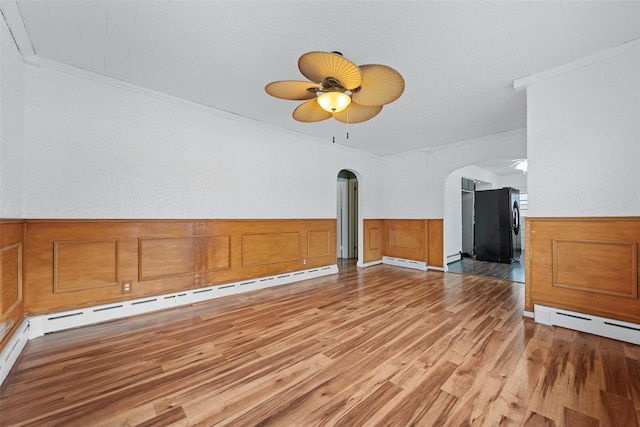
[441, 161]
[516, 180]
[584, 139]
[12, 87]
[404, 180]
[95, 150]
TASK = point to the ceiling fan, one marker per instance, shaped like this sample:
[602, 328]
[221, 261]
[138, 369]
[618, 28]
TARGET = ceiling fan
[338, 88]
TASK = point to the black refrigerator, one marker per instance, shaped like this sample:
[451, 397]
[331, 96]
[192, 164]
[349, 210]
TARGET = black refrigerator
[497, 225]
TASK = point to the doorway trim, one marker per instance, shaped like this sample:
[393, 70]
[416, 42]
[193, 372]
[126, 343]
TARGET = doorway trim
[348, 198]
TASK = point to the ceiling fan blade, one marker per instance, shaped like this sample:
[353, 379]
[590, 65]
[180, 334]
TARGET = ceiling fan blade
[310, 111]
[317, 66]
[292, 89]
[357, 113]
[380, 85]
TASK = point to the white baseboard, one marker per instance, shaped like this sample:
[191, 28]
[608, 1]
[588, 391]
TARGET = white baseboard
[406, 263]
[453, 258]
[12, 350]
[36, 326]
[370, 264]
[409, 263]
[602, 326]
[528, 314]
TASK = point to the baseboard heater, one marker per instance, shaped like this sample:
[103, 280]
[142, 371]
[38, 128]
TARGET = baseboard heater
[409, 263]
[453, 258]
[12, 350]
[602, 326]
[36, 326]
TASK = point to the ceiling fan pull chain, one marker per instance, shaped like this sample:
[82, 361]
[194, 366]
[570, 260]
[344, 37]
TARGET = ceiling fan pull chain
[347, 123]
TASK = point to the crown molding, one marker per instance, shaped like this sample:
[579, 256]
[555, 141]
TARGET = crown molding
[12, 16]
[41, 62]
[522, 83]
[520, 132]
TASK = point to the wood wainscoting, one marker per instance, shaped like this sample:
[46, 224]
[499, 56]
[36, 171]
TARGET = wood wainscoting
[11, 285]
[412, 239]
[435, 242]
[589, 265]
[78, 263]
[372, 240]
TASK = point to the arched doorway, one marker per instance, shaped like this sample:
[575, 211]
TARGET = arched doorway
[462, 188]
[347, 215]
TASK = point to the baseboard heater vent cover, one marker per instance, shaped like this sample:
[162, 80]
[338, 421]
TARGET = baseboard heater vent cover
[406, 263]
[12, 350]
[43, 324]
[602, 326]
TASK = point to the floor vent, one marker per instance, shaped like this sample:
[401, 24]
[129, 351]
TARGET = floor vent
[602, 326]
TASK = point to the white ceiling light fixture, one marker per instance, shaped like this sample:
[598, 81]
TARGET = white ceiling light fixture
[334, 102]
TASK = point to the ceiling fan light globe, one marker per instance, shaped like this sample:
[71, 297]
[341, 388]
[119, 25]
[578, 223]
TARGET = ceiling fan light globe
[334, 102]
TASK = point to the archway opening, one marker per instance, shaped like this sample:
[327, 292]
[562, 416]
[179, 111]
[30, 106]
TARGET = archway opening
[477, 225]
[347, 216]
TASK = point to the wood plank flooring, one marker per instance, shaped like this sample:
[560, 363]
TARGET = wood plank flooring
[513, 272]
[383, 346]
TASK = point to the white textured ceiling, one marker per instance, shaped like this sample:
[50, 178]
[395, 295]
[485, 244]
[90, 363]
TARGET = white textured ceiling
[459, 59]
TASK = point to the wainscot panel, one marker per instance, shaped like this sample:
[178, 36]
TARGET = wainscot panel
[84, 264]
[405, 238]
[269, 248]
[78, 263]
[319, 243]
[161, 257]
[11, 286]
[409, 239]
[372, 240]
[589, 265]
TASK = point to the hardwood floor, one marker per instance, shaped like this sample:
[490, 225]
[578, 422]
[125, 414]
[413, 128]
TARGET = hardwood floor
[513, 272]
[381, 346]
